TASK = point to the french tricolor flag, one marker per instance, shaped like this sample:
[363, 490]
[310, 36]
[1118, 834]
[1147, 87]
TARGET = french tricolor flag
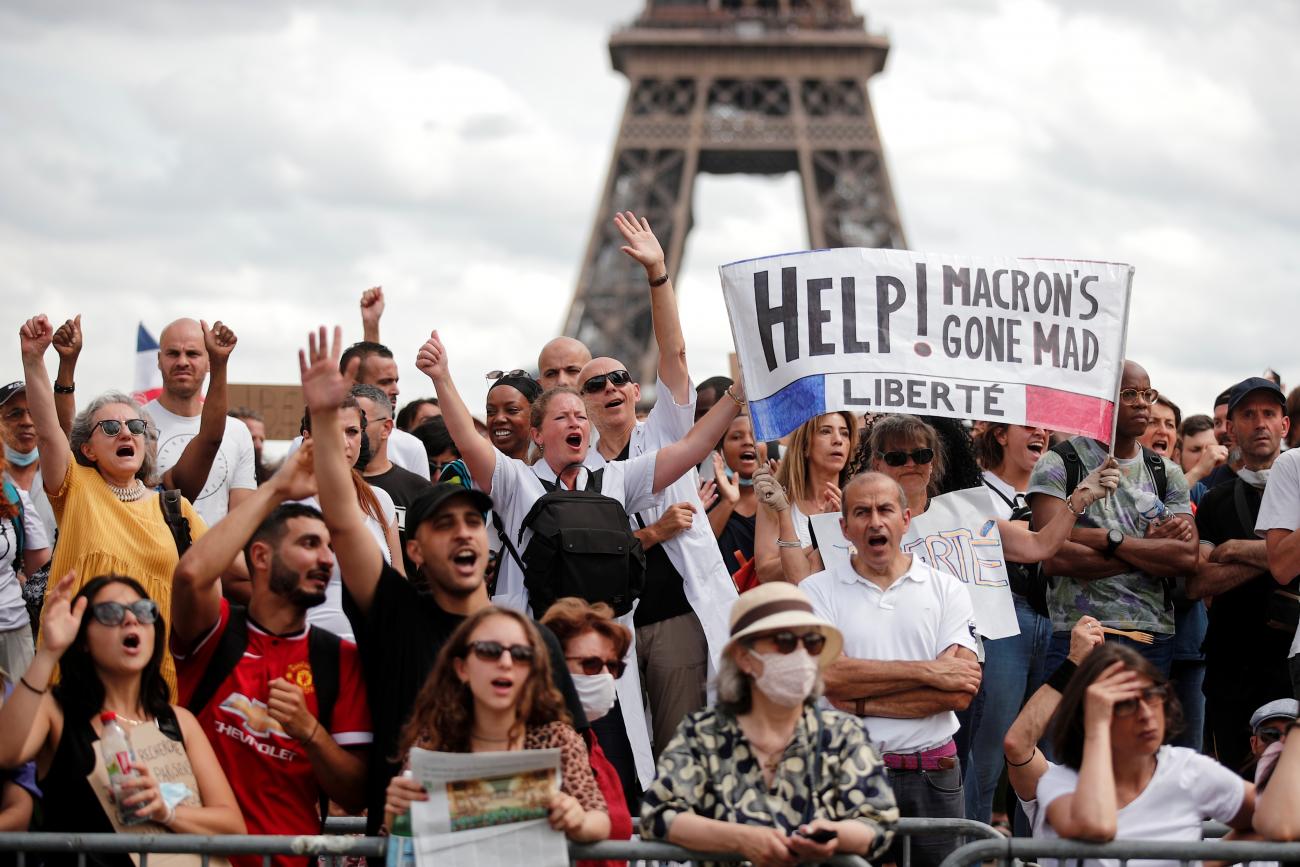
[148, 378]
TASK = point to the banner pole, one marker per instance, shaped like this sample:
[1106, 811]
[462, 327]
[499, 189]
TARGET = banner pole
[1123, 354]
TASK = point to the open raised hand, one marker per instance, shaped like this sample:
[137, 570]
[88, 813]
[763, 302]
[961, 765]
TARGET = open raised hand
[323, 386]
[642, 245]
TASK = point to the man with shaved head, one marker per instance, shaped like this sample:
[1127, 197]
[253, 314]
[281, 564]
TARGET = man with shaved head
[561, 361]
[183, 361]
[680, 620]
[1121, 560]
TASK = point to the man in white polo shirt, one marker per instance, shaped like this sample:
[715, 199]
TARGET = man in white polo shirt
[909, 656]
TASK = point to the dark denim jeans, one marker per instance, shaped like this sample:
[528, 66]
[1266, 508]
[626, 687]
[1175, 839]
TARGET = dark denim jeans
[931, 795]
[1013, 669]
[1160, 653]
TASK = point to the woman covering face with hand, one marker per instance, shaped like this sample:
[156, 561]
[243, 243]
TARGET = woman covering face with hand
[109, 642]
[491, 691]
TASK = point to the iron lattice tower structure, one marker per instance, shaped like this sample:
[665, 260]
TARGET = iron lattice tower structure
[732, 86]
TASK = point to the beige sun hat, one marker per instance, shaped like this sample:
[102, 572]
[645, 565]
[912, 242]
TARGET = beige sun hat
[778, 605]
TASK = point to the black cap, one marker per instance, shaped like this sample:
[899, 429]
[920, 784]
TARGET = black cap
[431, 499]
[1253, 384]
[10, 390]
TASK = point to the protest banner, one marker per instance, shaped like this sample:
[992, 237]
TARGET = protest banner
[1036, 342]
[167, 761]
[956, 535]
[281, 406]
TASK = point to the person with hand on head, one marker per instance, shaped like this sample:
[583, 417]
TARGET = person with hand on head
[814, 468]
[680, 619]
[594, 647]
[99, 483]
[108, 641]
[1025, 762]
[400, 625]
[766, 772]
[1122, 557]
[238, 664]
[210, 457]
[491, 691]
[1118, 779]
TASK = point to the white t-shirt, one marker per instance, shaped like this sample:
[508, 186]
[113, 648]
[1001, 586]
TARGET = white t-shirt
[921, 615]
[1186, 789]
[1280, 508]
[13, 611]
[516, 486]
[329, 614]
[408, 452]
[233, 467]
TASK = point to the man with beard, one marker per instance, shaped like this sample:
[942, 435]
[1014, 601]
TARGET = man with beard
[380, 472]
[1118, 565]
[280, 748]
[560, 363]
[401, 625]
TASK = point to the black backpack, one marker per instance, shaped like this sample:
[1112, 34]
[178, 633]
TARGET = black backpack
[1025, 578]
[322, 656]
[582, 546]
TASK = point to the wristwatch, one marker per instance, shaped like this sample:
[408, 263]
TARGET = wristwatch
[1113, 540]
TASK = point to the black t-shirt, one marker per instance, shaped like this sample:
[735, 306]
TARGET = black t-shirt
[399, 639]
[1238, 642]
[1220, 474]
[737, 535]
[664, 595]
[403, 486]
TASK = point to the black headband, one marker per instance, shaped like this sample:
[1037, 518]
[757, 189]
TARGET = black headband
[767, 609]
[525, 385]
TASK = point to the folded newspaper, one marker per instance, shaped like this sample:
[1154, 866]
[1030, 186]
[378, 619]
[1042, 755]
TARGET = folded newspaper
[487, 809]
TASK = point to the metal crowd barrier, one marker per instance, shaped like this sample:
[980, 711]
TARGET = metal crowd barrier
[342, 839]
[1186, 852]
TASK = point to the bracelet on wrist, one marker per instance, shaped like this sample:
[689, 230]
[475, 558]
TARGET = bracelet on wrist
[740, 401]
[786, 543]
[65, 389]
[311, 736]
[1069, 505]
[1011, 764]
[659, 281]
[23, 681]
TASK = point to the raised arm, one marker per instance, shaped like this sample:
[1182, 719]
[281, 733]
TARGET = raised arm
[644, 247]
[372, 310]
[67, 343]
[190, 472]
[479, 455]
[324, 387]
[677, 459]
[196, 587]
[775, 524]
[1023, 545]
[33, 339]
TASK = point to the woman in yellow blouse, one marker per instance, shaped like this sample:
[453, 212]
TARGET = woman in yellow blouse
[100, 485]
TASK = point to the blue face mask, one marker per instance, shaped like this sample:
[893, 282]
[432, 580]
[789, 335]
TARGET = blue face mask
[19, 459]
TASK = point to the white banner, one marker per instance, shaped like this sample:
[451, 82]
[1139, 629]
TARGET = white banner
[958, 534]
[1038, 342]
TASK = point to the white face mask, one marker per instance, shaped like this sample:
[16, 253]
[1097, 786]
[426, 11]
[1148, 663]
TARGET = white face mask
[1255, 478]
[787, 678]
[596, 692]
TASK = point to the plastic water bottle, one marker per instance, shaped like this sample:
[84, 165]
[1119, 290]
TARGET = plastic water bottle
[401, 844]
[119, 761]
[1152, 508]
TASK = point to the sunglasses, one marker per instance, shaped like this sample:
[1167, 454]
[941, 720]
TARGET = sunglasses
[114, 613]
[592, 665]
[1150, 697]
[597, 383]
[1129, 396]
[502, 374]
[898, 459]
[490, 651]
[786, 642]
[113, 427]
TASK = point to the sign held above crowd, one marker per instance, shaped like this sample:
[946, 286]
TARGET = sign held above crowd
[1036, 342]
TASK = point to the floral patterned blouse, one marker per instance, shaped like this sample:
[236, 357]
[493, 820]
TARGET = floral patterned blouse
[828, 771]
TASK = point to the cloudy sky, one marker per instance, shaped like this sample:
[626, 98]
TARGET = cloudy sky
[262, 162]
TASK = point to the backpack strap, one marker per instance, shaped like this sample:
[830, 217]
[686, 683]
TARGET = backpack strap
[1073, 464]
[11, 494]
[1156, 464]
[230, 649]
[170, 503]
[323, 657]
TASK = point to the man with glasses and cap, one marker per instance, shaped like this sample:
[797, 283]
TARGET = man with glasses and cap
[1124, 553]
[1233, 572]
[766, 772]
[909, 655]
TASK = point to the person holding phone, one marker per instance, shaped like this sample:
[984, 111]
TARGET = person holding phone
[766, 772]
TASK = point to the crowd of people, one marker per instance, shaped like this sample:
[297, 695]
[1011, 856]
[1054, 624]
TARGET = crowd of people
[642, 588]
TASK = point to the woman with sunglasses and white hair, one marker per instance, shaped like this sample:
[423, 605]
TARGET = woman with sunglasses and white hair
[766, 772]
[108, 641]
[100, 484]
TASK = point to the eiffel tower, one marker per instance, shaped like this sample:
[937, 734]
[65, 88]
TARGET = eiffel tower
[732, 86]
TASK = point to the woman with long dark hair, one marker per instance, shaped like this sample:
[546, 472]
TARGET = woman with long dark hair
[108, 641]
[1118, 777]
[491, 691]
